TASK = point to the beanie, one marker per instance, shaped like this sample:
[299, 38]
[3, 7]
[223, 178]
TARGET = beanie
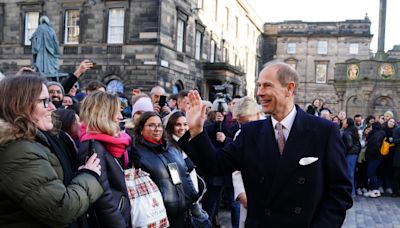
[143, 104]
[50, 83]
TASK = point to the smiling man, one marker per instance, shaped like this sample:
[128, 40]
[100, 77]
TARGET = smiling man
[293, 164]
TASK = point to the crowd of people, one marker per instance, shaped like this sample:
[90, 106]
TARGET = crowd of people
[268, 160]
[371, 172]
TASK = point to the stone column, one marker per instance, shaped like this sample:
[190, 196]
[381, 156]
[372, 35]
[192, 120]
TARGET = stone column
[381, 32]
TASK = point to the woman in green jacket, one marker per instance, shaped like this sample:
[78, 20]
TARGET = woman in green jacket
[32, 192]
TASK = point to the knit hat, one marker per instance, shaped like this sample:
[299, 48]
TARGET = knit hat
[50, 83]
[389, 113]
[143, 104]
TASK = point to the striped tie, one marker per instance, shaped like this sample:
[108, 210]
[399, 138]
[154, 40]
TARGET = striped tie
[281, 137]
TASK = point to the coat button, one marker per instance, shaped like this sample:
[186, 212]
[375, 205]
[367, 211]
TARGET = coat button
[261, 180]
[267, 212]
[301, 180]
[297, 210]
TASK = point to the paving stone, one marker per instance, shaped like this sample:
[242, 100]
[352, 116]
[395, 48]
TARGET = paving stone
[382, 212]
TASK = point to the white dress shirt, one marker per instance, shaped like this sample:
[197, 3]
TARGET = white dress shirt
[287, 123]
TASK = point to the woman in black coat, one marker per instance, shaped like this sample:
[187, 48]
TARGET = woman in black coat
[374, 158]
[351, 140]
[166, 166]
[100, 133]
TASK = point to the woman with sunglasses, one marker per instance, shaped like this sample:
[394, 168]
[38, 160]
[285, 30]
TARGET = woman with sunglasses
[35, 188]
[165, 164]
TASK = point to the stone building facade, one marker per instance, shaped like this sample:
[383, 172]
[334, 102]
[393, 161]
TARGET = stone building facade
[142, 43]
[314, 48]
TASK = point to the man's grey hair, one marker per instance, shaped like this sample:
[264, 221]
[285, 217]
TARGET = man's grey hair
[155, 88]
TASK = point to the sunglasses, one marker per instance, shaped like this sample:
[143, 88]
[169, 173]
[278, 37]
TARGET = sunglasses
[55, 91]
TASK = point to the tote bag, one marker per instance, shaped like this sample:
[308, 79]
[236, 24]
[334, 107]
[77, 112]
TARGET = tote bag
[147, 205]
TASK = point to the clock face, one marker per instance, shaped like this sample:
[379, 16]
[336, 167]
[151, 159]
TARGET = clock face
[115, 86]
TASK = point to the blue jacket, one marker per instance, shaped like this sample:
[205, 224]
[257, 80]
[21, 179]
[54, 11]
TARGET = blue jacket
[154, 159]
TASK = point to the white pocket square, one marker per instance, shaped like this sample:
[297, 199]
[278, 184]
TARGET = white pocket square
[307, 160]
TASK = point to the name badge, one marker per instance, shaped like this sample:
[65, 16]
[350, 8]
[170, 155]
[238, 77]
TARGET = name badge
[173, 171]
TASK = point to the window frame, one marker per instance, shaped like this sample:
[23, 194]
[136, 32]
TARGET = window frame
[2, 19]
[26, 40]
[236, 26]
[198, 44]
[227, 18]
[213, 48]
[66, 26]
[322, 47]
[317, 75]
[109, 34]
[353, 48]
[291, 48]
[181, 33]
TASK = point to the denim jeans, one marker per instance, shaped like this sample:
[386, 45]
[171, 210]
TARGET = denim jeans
[373, 174]
[351, 169]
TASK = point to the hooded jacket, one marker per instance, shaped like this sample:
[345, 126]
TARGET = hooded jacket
[32, 192]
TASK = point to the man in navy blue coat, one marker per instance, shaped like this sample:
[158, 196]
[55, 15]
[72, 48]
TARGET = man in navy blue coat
[303, 185]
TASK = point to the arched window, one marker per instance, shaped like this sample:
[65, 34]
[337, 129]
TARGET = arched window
[115, 86]
[178, 86]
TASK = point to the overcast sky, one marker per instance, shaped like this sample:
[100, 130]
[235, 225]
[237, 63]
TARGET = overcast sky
[334, 10]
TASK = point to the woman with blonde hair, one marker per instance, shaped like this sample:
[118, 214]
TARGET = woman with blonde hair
[35, 188]
[100, 133]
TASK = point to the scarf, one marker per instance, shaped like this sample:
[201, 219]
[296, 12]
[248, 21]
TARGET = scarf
[116, 146]
[150, 140]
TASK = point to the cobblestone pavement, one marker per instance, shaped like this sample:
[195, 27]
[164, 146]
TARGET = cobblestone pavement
[382, 212]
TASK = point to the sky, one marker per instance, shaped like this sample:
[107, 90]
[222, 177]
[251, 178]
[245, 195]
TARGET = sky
[334, 10]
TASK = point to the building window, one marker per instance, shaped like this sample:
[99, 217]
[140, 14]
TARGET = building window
[237, 26]
[180, 35]
[236, 59]
[291, 48]
[200, 4]
[181, 31]
[199, 45]
[116, 26]
[320, 72]
[212, 51]
[322, 47]
[115, 86]
[225, 54]
[31, 24]
[227, 18]
[71, 32]
[216, 11]
[353, 49]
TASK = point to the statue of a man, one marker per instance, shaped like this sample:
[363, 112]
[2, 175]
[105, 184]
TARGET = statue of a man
[45, 48]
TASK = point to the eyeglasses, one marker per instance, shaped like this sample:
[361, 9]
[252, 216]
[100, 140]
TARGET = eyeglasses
[154, 126]
[45, 101]
[55, 91]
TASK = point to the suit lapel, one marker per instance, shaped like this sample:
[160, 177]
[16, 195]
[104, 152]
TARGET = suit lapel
[296, 147]
[266, 145]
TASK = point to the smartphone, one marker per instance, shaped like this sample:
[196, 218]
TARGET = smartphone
[94, 65]
[163, 101]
